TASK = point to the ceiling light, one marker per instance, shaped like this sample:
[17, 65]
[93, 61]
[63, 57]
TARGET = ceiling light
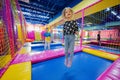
[114, 13]
[108, 9]
[27, 1]
[26, 13]
[118, 17]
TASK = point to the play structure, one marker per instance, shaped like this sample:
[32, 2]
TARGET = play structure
[22, 54]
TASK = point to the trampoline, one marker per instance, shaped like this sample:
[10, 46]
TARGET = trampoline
[84, 67]
[40, 47]
[39, 42]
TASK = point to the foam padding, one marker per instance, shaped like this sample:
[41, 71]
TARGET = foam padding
[21, 58]
[50, 54]
[4, 60]
[20, 71]
[29, 40]
[102, 54]
[25, 50]
[112, 73]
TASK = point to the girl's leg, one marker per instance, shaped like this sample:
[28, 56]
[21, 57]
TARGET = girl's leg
[45, 47]
[71, 48]
[49, 45]
[66, 49]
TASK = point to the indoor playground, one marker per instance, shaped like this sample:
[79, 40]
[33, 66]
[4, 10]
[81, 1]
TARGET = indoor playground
[23, 26]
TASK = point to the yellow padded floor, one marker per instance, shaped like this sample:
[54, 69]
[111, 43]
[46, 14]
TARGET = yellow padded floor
[21, 71]
[102, 54]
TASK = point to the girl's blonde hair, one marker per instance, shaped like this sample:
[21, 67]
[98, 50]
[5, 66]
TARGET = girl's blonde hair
[63, 12]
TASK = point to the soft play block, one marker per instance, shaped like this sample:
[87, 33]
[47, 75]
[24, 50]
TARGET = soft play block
[20, 71]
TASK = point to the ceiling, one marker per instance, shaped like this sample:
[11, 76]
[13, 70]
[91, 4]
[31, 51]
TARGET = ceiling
[44, 11]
